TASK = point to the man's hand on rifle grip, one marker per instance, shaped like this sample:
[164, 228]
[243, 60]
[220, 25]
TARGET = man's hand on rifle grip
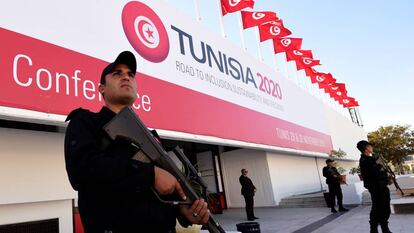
[165, 183]
[198, 213]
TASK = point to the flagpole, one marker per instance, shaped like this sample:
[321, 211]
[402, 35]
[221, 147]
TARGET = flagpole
[241, 31]
[197, 10]
[259, 47]
[221, 18]
[304, 80]
[275, 57]
[314, 89]
[286, 66]
[308, 83]
[276, 64]
[318, 92]
[297, 77]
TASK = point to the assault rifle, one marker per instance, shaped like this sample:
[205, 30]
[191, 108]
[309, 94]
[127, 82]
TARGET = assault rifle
[127, 125]
[381, 161]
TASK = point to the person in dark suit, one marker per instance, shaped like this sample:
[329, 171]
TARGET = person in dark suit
[332, 179]
[248, 190]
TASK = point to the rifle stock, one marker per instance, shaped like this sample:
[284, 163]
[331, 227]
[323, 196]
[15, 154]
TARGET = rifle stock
[127, 125]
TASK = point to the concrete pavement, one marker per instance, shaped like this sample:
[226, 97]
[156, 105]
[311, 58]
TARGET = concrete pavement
[316, 220]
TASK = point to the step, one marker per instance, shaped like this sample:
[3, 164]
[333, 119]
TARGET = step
[305, 200]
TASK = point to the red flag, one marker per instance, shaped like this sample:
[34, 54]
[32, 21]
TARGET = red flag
[336, 91]
[251, 19]
[311, 72]
[306, 62]
[322, 78]
[285, 44]
[349, 102]
[230, 6]
[292, 55]
[271, 30]
[278, 22]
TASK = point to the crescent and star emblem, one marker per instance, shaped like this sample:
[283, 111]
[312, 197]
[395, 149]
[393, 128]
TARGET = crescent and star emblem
[286, 42]
[296, 52]
[234, 2]
[258, 15]
[307, 60]
[320, 78]
[147, 32]
[274, 30]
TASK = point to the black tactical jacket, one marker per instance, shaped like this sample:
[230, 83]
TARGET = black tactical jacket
[332, 175]
[374, 175]
[114, 190]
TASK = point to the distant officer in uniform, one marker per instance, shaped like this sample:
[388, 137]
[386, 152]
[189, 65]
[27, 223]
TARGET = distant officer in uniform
[332, 179]
[248, 190]
[375, 179]
[114, 188]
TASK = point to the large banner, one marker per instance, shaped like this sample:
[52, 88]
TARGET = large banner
[190, 79]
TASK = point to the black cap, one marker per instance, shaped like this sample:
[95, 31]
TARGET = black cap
[329, 161]
[127, 58]
[361, 145]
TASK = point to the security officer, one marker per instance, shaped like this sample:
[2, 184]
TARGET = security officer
[114, 188]
[375, 179]
[332, 179]
[248, 190]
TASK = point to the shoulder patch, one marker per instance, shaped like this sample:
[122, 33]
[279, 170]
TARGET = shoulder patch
[75, 112]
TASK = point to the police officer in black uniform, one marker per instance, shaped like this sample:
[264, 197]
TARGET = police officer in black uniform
[375, 179]
[114, 187]
[248, 190]
[332, 179]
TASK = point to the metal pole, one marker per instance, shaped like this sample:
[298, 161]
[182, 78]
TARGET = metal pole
[259, 47]
[243, 42]
[197, 10]
[286, 66]
[221, 18]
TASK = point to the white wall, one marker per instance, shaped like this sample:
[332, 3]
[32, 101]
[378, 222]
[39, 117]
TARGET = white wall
[32, 167]
[256, 163]
[33, 180]
[27, 212]
[278, 176]
[344, 133]
[292, 175]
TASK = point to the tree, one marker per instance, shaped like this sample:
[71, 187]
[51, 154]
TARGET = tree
[393, 143]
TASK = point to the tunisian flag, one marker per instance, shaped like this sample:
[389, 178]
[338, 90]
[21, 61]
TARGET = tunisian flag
[272, 30]
[322, 78]
[293, 55]
[311, 72]
[284, 44]
[251, 18]
[349, 102]
[230, 6]
[306, 62]
[336, 91]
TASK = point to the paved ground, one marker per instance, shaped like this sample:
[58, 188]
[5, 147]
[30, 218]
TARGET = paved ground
[316, 220]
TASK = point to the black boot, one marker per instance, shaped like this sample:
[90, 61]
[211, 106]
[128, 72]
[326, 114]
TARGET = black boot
[384, 228]
[373, 227]
[342, 209]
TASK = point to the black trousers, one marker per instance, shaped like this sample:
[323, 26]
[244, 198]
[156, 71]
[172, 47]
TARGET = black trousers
[249, 199]
[335, 191]
[380, 210]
